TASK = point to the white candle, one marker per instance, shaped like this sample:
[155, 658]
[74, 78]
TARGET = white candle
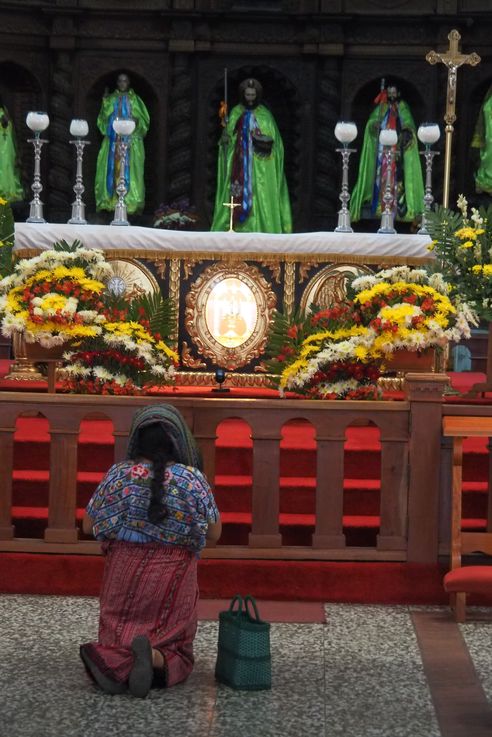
[37, 122]
[345, 132]
[388, 137]
[79, 128]
[123, 126]
[428, 133]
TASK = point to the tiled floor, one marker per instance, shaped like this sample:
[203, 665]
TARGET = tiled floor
[358, 674]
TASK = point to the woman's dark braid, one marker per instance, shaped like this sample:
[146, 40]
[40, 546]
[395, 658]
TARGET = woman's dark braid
[157, 509]
[154, 443]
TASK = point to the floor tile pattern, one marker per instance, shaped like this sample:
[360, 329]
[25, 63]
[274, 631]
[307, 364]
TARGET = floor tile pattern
[358, 675]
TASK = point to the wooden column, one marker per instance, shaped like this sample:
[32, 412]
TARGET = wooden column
[63, 487]
[394, 494]
[329, 493]
[425, 394]
[265, 503]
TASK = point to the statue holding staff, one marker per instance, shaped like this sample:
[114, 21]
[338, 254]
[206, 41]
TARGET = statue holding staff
[251, 167]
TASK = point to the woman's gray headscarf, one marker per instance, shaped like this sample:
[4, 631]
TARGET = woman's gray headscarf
[187, 450]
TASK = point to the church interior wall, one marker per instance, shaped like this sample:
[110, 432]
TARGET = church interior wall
[318, 61]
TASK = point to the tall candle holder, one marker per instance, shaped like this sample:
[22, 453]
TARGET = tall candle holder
[123, 127]
[79, 129]
[388, 138]
[345, 133]
[428, 134]
[37, 123]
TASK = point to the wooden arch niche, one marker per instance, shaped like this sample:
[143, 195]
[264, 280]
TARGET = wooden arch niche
[282, 98]
[20, 92]
[92, 104]
[361, 105]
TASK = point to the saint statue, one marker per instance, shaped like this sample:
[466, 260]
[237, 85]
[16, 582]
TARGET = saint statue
[122, 103]
[407, 178]
[10, 184]
[251, 168]
[482, 140]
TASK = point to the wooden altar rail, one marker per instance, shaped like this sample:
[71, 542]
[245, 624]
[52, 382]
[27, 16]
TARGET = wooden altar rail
[410, 434]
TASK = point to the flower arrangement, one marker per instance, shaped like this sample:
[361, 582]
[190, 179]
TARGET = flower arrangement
[463, 245]
[409, 309]
[323, 354]
[6, 238]
[55, 297]
[129, 353]
[339, 353]
[179, 215]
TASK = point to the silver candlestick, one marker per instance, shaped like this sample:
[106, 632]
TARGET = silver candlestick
[123, 128]
[345, 133]
[428, 133]
[388, 139]
[37, 122]
[79, 129]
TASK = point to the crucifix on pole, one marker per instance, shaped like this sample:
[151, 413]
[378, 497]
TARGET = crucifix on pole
[452, 59]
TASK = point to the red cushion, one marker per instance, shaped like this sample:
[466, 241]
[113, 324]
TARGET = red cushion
[474, 579]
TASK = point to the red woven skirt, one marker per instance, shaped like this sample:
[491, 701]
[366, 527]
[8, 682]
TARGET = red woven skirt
[148, 589]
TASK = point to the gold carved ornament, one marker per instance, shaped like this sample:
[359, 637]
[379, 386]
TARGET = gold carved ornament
[228, 313]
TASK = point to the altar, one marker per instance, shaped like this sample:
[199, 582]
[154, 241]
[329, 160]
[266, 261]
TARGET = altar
[227, 285]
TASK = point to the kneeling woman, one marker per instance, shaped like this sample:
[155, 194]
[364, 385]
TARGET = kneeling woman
[154, 513]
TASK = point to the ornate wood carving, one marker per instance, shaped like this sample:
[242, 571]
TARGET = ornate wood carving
[190, 361]
[180, 131]
[61, 153]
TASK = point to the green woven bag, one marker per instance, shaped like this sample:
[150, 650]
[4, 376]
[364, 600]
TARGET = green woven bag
[243, 657]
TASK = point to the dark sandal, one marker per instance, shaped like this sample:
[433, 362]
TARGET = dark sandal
[142, 672]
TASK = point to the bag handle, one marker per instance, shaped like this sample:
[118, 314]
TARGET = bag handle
[237, 599]
[251, 600]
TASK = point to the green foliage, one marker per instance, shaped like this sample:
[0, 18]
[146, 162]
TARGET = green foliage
[152, 306]
[6, 239]
[462, 245]
[286, 336]
[65, 247]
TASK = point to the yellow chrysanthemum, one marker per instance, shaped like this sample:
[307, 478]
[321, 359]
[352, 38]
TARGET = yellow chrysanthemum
[161, 346]
[466, 233]
[2, 201]
[53, 302]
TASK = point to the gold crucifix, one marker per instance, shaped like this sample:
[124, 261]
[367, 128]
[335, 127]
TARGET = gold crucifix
[452, 59]
[231, 205]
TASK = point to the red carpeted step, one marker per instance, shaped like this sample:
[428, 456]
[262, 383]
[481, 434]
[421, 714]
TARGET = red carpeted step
[31, 488]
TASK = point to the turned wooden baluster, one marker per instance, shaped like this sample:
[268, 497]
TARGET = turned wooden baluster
[329, 491]
[63, 483]
[265, 503]
[394, 494]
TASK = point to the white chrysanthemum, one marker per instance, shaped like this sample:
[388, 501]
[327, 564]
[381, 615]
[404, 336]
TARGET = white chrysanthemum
[70, 307]
[78, 369]
[88, 315]
[364, 282]
[120, 379]
[12, 324]
[101, 373]
[340, 387]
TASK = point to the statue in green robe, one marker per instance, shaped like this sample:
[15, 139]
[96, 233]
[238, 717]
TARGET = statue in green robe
[407, 178]
[251, 169]
[482, 140]
[122, 103]
[10, 184]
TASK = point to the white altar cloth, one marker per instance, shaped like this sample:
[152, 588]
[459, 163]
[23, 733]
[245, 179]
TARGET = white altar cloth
[30, 236]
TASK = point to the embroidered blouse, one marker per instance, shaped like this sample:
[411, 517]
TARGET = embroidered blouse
[120, 503]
